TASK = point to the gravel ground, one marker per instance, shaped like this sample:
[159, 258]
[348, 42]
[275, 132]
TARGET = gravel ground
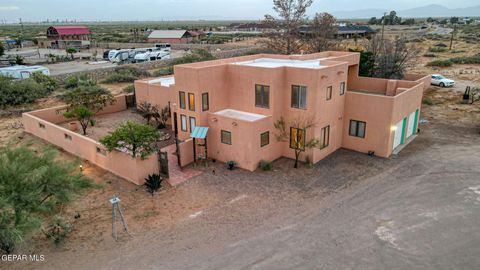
[417, 210]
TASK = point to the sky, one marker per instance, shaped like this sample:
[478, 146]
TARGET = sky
[142, 10]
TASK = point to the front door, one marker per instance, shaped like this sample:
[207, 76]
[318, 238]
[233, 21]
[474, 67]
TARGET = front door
[411, 124]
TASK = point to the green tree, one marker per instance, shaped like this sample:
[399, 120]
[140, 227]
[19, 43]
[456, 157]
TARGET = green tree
[82, 114]
[46, 81]
[373, 21]
[454, 20]
[18, 60]
[94, 98]
[323, 33]
[297, 140]
[2, 50]
[31, 186]
[71, 51]
[140, 140]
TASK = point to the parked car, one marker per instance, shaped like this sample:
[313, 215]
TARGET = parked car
[441, 81]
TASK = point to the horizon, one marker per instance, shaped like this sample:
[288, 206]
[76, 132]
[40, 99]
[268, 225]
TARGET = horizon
[30, 11]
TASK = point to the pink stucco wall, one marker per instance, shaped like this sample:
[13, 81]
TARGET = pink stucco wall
[116, 162]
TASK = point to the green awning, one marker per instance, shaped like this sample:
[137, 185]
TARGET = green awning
[199, 132]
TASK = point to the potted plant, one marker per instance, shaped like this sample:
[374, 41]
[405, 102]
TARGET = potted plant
[73, 126]
[231, 165]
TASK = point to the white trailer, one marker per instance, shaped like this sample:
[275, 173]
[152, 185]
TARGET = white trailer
[151, 55]
[23, 72]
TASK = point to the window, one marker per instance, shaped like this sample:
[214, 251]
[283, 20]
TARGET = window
[101, 151]
[297, 138]
[183, 120]
[192, 123]
[264, 139]
[357, 128]
[67, 137]
[342, 88]
[191, 102]
[182, 100]
[205, 105]
[226, 137]
[325, 137]
[41, 125]
[299, 97]
[329, 92]
[262, 96]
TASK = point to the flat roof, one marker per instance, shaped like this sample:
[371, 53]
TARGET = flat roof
[164, 81]
[275, 63]
[241, 115]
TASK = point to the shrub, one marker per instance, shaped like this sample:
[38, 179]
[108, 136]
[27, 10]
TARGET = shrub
[308, 161]
[129, 89]
[429, 55]
[437, 49]
[46, 81]
[79, 80]
[153, 183]
[58, 229]
[442, 45]
[14, 92]
[125, 74]
[440, 63]
[265, 165]
[475, 59]
[165, 71]
[427, 101]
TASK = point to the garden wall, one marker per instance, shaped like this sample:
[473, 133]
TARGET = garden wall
[42, 123]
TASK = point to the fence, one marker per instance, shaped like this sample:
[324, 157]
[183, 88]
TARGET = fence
[43, 124]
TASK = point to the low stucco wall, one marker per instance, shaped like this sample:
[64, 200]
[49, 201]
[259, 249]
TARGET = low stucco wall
[42, 124]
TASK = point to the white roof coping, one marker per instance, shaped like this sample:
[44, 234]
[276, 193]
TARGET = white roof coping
[164, 81]
[275, 63]
[241, 115]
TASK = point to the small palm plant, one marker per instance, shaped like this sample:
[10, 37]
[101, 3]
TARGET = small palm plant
[153, 183]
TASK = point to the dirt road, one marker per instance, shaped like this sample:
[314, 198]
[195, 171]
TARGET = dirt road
[417, 210]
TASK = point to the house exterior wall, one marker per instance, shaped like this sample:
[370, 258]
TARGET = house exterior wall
[378, 102]
[170, 40]
[116, 162]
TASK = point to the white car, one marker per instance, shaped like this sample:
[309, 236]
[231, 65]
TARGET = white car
[441, 81]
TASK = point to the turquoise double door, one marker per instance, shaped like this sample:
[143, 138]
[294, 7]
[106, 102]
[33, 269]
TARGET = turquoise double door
[405, 128]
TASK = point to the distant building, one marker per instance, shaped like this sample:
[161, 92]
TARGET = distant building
[252, 27]
[174, 36]
[62, 37]
[347, 31]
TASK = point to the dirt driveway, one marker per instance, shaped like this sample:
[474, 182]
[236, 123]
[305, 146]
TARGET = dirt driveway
[417, 210]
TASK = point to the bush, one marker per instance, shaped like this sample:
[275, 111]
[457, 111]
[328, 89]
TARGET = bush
[427, 101]
[437, 49]
[440, 63]
[429, 55]
[129, 89]
[125, 74]
[20, 92]
[58, 229]
[153, 183]
[46, 81]
[265, 165]
[164, 71]
[79, 80]
[466, 60]
[443, 45]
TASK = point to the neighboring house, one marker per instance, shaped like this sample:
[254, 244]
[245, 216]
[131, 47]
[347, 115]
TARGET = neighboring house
[344, 31]
[62, 37]
[240, 99]
[174, 36]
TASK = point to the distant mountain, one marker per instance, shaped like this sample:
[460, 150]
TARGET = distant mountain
[424, 11]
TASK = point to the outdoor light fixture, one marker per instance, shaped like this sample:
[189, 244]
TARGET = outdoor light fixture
[234, 124]
[324, 77]
[393, 128]
[81, 168]
[340, 72]
[214, 119]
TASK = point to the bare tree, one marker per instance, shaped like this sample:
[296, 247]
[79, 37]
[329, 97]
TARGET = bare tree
[291, 15]
[295, 135]
[391, 56]
[323, 33]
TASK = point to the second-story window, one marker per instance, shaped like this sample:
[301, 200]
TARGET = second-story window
[181, 96]
[342, 88]
[262, 96]
[329, 92]
[191, 102]
[205, 104]
[299, 97]
[183, 122]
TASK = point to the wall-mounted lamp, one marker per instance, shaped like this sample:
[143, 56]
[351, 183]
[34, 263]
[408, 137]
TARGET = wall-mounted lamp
[81, 168]
[234, 124]
[393, 128]
[340, 72]
[324, 77]
[214, 119]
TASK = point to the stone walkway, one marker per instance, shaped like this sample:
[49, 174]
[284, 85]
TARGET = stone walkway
[177, 174]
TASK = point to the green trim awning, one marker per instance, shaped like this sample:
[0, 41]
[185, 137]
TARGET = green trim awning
[199, 132]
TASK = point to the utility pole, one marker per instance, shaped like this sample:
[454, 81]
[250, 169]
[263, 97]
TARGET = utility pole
[453, 33]
[383, 24]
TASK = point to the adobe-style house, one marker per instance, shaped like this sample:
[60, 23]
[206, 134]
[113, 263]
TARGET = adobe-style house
[62, 37]
[240, 99]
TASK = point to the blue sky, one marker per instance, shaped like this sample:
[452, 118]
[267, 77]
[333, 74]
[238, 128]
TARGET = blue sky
[37, 10]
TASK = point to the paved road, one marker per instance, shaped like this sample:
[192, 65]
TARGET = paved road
[417, 210]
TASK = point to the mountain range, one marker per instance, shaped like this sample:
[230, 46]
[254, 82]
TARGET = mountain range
[424, 12]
